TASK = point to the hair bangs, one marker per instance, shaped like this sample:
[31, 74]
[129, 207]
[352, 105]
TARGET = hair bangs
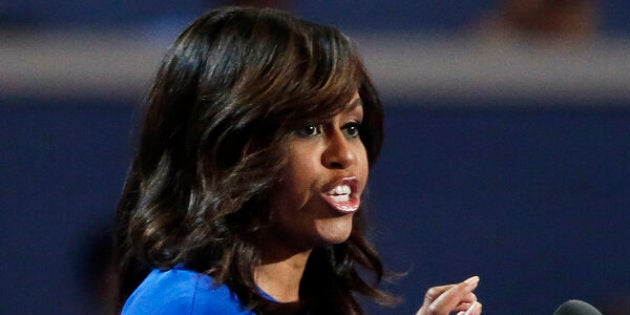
[334, 71]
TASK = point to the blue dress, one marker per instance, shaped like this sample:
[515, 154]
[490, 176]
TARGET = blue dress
[183, 291]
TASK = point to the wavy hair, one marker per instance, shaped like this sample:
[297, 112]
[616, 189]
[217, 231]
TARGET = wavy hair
[213, 141]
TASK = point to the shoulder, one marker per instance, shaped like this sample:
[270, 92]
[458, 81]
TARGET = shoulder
[182, 291]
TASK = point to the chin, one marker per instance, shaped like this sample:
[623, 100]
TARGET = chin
[338, 240]
[336, 232]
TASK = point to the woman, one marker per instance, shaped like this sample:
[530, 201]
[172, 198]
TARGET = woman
[245, 195]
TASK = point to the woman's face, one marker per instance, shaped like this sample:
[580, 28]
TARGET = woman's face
[321, 189]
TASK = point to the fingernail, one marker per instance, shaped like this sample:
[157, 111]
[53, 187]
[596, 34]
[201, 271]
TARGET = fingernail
[471, 308]
[470, 282]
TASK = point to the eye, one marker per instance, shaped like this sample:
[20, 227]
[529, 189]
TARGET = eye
[352, 129]
[310, 130]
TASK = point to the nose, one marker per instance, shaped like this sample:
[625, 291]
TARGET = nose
[339, 153]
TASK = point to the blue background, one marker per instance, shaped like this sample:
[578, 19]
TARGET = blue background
[534, 201]
[531, 195]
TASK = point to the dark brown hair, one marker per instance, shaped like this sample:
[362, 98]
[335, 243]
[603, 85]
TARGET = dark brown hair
[229, 91]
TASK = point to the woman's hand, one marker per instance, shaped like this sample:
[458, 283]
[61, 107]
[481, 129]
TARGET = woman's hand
[442, 300]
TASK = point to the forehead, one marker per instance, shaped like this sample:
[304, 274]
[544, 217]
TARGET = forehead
[355, 101]
[354, 105]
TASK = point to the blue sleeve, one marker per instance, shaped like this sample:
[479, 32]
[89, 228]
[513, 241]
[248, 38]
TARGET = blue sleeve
[185, 292]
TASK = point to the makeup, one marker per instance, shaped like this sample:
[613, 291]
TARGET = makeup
[343, 195]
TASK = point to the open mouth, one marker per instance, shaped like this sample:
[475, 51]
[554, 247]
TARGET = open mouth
[343, 196]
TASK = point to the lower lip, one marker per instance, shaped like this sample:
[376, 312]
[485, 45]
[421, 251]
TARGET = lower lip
[344, 207]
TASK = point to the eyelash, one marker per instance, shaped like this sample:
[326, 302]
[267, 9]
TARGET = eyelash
[310, 130]
[351, 129]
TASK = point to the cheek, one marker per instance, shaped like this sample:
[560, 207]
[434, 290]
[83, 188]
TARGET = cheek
[293, 191]
[363, 169]
[302, 168]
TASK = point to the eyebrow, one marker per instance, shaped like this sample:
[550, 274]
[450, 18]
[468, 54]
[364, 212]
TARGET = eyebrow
[355, 103]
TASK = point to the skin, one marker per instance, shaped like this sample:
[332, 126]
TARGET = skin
[319, 156]
[442, 300]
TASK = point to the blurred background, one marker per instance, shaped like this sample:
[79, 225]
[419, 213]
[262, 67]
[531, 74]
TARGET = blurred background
[507, 151]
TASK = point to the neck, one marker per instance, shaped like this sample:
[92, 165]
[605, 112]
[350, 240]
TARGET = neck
[280, 277]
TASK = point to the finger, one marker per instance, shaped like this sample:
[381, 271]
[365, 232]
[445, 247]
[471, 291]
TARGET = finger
[469, 298]
[465, 303]
[470, 310]
[431, 295]
[475, 309]
[435, 292]
[446, 298]
[478, 310]
[454, 295]
[462, 307]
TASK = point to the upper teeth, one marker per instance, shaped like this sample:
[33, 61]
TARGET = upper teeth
[341, 190]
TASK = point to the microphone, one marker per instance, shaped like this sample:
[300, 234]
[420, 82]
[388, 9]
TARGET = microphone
[576, 307]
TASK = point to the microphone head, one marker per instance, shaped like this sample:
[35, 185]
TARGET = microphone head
[576, 307]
